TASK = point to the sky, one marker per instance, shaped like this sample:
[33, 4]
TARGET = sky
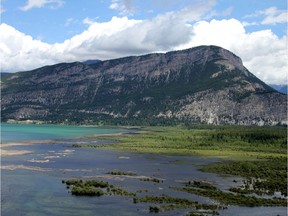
[34, 33]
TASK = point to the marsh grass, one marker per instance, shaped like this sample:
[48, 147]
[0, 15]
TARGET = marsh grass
[226, 142]
[167, 203]
[155, 180]
[121, 173]
[261, 176]
[206, 189]
[234, 199]
[258, 154]
[94, 188]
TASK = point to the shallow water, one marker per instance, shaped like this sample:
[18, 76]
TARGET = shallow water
[26, 132]
[31, 184]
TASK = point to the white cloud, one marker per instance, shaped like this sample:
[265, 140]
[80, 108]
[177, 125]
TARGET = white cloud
[41, 3]
[262, 52]
[249, 23]
[88, 21]
[273, 16]
[69, 21]
[225, 12]
[270, 16]
[125, 7]
[19, 51]
[2, 9]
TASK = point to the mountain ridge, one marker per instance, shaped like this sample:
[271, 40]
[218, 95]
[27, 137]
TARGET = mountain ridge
[280, 88]
[205, 84]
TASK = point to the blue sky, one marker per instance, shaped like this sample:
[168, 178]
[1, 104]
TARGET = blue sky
[34, 33]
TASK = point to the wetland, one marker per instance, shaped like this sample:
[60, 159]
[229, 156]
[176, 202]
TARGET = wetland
[198, 170]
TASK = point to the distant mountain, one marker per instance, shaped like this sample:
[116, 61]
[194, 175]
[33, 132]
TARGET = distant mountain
[2, 74]
[89, 62]
[205, 84]
[280, 88]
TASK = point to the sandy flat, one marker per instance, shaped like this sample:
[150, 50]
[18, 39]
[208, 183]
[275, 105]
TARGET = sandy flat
[8, 144]
[38, 161]
[14, 167]
[7, 152]
[13, 152]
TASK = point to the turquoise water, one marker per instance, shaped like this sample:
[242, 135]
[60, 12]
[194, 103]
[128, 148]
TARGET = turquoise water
[35, 187]
[25, 132]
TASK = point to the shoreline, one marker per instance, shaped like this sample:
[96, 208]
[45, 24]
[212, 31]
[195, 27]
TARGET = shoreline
[14, 152]
[7, 152]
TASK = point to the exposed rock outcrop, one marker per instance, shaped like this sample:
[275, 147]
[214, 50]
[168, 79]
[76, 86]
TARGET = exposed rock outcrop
[205, 84]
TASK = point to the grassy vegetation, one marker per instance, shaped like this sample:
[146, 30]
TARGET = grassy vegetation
[202, 213]
[122, 173]
[259, 154]
[235, 199]
[155, 180]
[164, 202]
[94, 188]
[167, 203]
[262, 176]
[206, 189]
[221, 141]
[201, 184]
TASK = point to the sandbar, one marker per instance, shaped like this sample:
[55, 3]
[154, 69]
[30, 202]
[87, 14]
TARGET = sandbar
[14, 167]
[8, 144]
[14, 152]
[7, 152]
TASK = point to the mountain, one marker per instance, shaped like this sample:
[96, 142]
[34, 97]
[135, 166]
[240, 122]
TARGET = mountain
[280, 88]
[89, 62]
[205, 84]
[3, 74]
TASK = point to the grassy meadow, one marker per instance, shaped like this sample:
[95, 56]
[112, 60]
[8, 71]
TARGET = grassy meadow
[259, 154]
[231, 142]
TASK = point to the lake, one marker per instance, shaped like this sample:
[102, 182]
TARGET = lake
[31, 183]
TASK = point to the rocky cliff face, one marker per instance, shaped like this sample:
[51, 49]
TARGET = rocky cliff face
[206, 84]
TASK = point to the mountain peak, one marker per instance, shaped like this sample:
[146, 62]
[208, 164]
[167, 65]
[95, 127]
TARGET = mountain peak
[209, 53]
[205, 84]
